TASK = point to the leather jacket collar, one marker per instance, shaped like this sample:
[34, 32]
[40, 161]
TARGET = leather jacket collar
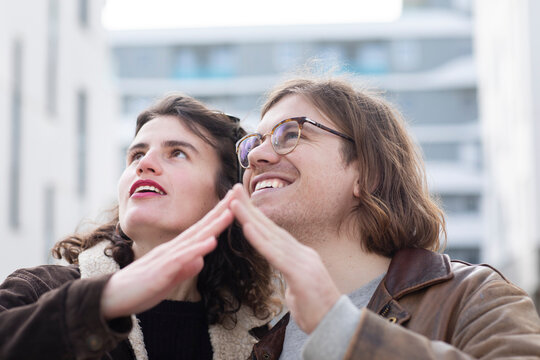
[410, 270]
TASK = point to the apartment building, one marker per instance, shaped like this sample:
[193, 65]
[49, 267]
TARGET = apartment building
[423, 62]
[56, 111]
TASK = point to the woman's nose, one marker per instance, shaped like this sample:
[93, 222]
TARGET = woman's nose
[149, 163]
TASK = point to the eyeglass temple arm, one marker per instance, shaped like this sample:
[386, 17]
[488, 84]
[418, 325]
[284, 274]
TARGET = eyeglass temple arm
[321, 126]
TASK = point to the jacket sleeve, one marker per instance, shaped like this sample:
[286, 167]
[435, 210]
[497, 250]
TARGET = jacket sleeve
[57, 323]
[498, 320]
[330, 338]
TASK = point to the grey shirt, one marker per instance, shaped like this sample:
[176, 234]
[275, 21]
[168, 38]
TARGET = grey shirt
[330, 339]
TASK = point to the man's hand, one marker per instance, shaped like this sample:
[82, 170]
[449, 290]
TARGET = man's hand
[310, 293]
[148, 280]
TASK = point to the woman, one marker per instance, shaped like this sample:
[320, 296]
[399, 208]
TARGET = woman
[149, 259]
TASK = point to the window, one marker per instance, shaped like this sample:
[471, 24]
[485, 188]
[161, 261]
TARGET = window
[468, 254]
[186, 64]
[52, 57]
[132, 105]
[81, 141]
[83, 13]
[406, 55]
[288, 56]
[448, 106]
[49, 211]
[443, 152]
[143, 62]
[460, 204]
[220, 62]
[332, 57]
[372, 58]
[13, 194]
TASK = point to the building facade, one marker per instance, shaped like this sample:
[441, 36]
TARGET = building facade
[508, 51]
[423, 61]
[56, 106]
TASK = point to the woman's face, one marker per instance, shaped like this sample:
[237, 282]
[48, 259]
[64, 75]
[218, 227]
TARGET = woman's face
[169, 181]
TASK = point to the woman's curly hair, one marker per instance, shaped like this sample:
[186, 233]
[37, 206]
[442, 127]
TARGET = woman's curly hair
[234, 274]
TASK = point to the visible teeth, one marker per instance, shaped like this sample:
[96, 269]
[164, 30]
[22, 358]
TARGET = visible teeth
[149, 188]
[272, 183]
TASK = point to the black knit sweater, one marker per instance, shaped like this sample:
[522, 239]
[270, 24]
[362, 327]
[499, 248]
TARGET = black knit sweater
[176, 330]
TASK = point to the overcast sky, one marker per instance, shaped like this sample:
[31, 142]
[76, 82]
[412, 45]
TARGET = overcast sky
[152, 14]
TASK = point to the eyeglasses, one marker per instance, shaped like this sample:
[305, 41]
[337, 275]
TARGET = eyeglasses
[283, 137]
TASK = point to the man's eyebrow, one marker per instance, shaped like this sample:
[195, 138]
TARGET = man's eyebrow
[174, 143]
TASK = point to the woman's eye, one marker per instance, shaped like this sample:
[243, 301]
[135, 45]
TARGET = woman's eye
[179, 154]
[135, 156]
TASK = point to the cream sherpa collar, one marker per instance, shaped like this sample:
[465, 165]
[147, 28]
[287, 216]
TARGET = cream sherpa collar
[227, 344]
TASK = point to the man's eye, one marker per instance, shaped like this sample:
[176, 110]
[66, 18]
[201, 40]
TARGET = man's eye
[291, 135]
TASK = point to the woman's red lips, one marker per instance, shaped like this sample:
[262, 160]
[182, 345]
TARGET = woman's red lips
[146, 186]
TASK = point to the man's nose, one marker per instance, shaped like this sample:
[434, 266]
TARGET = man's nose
[263, 154]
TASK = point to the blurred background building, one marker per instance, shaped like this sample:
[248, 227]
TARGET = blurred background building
[424, 61]
[56, 112]
[476, 129]
[508, 55]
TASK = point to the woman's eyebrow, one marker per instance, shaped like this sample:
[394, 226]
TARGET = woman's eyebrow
[137, 146]
[175, 143]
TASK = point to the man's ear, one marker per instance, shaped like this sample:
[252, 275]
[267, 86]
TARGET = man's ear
[359, 184]
[356, 188]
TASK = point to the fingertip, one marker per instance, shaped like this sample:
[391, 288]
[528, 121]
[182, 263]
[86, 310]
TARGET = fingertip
[211, 241]
[227, 196]
[234, 206]
[238, 189]
[213, 244]
[227, 213]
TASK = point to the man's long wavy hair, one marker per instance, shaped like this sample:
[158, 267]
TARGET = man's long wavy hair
[234, 274]
[395, 210]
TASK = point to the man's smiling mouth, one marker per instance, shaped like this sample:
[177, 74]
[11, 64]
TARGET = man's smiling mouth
[270, 184]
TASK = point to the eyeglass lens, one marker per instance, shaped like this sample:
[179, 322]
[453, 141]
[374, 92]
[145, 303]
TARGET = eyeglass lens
[284, 139]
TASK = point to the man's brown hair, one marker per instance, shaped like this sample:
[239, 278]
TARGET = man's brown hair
[395, 210]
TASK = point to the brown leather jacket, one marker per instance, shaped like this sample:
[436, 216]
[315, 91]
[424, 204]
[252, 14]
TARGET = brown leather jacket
[53, 312]
[47, 312]
[428, 307]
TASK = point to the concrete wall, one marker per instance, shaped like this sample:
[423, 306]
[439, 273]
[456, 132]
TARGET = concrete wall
[63, 71]
[507, 49]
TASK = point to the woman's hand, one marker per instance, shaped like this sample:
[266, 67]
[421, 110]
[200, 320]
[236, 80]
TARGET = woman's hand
[311, 292]
[148, 280]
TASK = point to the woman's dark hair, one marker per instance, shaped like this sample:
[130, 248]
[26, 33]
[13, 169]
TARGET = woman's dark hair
[234, 273]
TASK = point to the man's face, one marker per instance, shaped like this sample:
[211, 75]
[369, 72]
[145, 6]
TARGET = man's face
[309, 187]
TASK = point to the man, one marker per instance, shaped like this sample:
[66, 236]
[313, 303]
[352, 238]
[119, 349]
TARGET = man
[337, 171]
